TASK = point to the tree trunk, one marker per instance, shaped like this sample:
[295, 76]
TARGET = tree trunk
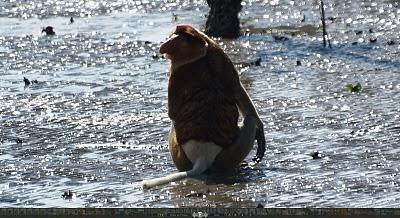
[223, 18]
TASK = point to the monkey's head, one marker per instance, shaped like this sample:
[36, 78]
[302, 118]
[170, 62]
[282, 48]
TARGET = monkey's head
[184, 45]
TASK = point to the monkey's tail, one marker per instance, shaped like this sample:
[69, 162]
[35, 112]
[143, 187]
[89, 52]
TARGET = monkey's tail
[199, 167]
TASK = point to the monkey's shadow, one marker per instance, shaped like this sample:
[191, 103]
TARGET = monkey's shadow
[242, 174]
[204, 184]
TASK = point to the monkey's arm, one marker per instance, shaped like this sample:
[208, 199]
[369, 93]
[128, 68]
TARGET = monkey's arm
[220, 63]
[245, 105]
[247, 109]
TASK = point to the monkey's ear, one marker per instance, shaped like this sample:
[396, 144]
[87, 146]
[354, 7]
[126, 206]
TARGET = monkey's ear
[191, 31]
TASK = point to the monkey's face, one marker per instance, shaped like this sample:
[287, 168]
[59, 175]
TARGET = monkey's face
[185, 44]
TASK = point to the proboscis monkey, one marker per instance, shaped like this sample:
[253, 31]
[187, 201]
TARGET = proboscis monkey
[205, 97]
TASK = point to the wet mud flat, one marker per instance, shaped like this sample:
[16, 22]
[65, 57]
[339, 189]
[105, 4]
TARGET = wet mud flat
[95, 123]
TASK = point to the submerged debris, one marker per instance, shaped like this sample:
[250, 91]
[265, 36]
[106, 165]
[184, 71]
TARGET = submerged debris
[256, 62]
[316, 155]
[391, 42]
[331, 18]
[26, 81]
[303, 19]
[358, 32]
[359, 132]
[68, 195]
[280, 38]
[196, 195]
[29, 82]
[49, 31]
[155, 56]
[174, 17]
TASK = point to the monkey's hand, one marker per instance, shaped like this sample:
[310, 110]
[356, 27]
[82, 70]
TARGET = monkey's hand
[260, 144]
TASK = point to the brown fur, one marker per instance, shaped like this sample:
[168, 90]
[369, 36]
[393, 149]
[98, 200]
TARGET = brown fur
[199, 105]
[204, 93]
[181, 162]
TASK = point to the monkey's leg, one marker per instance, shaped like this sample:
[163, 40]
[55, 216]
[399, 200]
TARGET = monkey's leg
[232, 156]
[201, 154]
[179, 157]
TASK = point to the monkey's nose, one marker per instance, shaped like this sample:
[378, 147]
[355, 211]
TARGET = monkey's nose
[168, 45]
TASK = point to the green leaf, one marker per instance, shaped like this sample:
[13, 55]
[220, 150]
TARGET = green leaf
[349, 86]
[357, 88]
[352, 88]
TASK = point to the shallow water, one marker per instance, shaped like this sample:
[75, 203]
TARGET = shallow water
[96, 122]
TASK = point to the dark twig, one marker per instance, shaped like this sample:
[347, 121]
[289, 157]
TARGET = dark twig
[324, 32]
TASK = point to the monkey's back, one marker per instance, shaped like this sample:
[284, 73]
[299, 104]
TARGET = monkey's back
[201, 105]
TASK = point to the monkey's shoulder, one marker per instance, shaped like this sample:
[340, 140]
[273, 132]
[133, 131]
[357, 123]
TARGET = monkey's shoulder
[204, 71]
